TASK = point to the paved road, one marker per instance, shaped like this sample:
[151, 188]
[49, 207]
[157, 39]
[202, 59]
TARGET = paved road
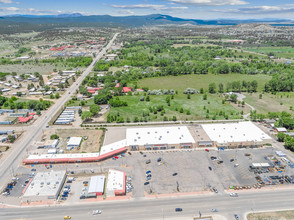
[159, 208]
[10, 163]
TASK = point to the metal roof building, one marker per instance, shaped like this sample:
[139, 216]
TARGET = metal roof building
[74, 142]
[45, 185]
[97, 185]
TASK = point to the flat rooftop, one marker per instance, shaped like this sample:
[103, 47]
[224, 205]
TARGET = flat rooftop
[235, 132]
[46, 184]
[115, 180]
[159, 135]
[96, 184]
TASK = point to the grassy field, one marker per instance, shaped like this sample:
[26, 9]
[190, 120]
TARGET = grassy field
[281, 215]
[286, 52]
[180, 83]
[195, 105]
[271, 103]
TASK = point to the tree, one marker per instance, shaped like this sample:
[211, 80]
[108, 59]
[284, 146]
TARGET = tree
[11, 138]
[57, 96]
[54, 136]
[94, 109]
[147, 98]
[220, 88]
[281, 137]
[86, 115]
[205, 96]
[212, 88]
[233, 98]
[102, 98]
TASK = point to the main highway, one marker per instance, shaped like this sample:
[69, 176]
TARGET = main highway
[164, 208]
[12, 160]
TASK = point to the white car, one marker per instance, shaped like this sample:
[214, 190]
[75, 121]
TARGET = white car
[95, 212]
[233, 194]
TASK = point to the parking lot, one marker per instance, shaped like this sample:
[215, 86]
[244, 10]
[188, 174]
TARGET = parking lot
[183, 171]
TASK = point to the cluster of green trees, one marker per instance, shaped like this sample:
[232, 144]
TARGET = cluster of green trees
[289, 141]
[235, 86]
[282, 82]
[14, 103]
[3, 76]
[285, 120]
[116, 102]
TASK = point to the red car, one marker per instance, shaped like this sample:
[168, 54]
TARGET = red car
[206, 150]
[116, 157]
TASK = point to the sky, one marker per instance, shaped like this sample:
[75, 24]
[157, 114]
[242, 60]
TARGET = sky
[196, 9]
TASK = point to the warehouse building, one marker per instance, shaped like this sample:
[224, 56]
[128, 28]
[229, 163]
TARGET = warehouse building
[159, 138]
[45, 185]
[97, 185]
[241, 134]
[116, 183]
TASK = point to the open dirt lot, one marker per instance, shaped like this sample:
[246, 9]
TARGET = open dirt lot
[282, 215]
[90, 143]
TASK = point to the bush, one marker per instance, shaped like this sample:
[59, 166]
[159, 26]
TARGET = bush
[54, 136]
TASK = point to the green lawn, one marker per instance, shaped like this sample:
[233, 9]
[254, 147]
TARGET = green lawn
[286, 52]
[195, 105]
[271, 103]
[180, 83]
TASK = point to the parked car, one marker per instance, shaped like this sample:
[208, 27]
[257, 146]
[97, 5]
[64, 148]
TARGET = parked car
[146, 183]
[174, 174]
[232, 160]
[148, 172]
[159, 159]
[178, 209]
[214, 190]
[206, 150]
[210, 168]
[148, 161]
[236, 217]
[67, 217]
[214, 210]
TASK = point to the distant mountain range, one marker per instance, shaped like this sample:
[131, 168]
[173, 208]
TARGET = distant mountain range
[26, 23]
[153, 19]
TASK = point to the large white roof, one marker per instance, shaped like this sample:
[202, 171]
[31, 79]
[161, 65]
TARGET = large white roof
[235, 132]
[159, 135]
[46, 184]
[96, 184]
[115, 180]
[61, 156]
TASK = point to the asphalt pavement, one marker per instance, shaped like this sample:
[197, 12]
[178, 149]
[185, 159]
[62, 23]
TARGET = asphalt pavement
[164, 208]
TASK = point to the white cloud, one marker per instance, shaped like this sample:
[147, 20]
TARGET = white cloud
[6, 1]
[149, 6]
[28, 10]
[126, 12]
[260, 10]
[210, 2]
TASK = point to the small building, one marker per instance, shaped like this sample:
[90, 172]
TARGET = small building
[116, 183]
[52, 151]
[74, 142]
[45, 185]
[48, 144]
[112, 56]
[281, 129]
[97, 185]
